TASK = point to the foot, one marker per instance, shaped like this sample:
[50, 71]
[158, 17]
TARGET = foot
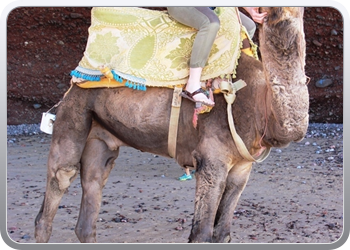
[198, 96]
[185, 177]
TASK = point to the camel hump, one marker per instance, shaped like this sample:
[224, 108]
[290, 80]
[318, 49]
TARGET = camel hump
[145, 47]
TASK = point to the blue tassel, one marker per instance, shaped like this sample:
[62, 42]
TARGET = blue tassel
[78, 74]
[138, 86]
[117, 77]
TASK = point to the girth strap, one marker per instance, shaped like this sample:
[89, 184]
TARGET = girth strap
[174, 121]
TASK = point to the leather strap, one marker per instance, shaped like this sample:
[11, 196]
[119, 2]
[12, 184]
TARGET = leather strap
[229, 90]
[174, 121]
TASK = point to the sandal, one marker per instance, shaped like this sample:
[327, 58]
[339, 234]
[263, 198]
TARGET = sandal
[189, 96]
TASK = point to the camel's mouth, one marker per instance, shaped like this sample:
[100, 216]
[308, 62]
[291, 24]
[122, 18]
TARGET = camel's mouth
[280, 135]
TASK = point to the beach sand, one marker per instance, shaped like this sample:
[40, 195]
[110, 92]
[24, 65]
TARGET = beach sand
[296, 195]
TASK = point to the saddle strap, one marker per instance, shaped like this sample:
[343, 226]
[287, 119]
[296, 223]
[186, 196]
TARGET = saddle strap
[229, 90]
[174, 121]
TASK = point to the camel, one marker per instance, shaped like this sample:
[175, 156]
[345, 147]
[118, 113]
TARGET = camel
[271, 111]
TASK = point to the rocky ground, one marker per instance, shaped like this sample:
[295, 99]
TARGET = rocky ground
[295, 196]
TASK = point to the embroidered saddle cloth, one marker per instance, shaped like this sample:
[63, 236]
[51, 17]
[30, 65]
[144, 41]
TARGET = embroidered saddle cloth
[148, 48]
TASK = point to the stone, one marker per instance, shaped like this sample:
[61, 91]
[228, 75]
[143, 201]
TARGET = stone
[322, 83]
[317, 43]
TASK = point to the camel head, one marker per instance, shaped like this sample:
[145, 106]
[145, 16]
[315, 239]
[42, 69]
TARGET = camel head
[282, 47]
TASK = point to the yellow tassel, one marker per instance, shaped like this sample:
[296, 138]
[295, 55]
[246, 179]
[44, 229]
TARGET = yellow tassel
[106, 72]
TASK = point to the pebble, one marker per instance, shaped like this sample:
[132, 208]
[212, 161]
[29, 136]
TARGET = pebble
[36, 106]
[334, 32]
[317, 43]
[76, 15]
[26, 237]
[61, 86]
[322, 83]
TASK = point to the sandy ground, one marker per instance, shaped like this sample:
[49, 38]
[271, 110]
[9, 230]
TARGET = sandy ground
[296, 195]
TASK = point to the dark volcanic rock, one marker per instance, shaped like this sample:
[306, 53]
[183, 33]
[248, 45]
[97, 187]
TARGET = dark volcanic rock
[45, 43]
[325, 62]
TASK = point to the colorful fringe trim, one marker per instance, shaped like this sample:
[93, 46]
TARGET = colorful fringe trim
[84, 76]
[94, 75]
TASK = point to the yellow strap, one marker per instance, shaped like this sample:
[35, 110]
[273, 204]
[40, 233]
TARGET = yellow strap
[174, 121]
[103, 83]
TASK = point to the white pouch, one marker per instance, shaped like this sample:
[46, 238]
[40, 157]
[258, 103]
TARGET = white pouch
[47, 121]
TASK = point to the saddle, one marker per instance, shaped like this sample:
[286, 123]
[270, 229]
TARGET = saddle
[139, 48]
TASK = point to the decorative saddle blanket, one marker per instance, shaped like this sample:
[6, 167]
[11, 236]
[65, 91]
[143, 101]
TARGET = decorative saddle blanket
[148, 48]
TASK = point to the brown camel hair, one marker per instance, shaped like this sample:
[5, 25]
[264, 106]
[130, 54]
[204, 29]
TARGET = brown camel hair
[92, 124]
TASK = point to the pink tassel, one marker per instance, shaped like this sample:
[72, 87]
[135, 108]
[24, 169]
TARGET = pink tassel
[195, 118]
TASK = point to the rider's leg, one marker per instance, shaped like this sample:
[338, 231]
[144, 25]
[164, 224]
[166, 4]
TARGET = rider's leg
[207, 23]
[248, 23]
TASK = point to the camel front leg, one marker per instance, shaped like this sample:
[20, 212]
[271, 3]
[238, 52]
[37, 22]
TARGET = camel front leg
[97, 163]
[210, 183]
[236, 181]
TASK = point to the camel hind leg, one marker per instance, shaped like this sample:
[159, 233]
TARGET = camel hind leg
[97, 161]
